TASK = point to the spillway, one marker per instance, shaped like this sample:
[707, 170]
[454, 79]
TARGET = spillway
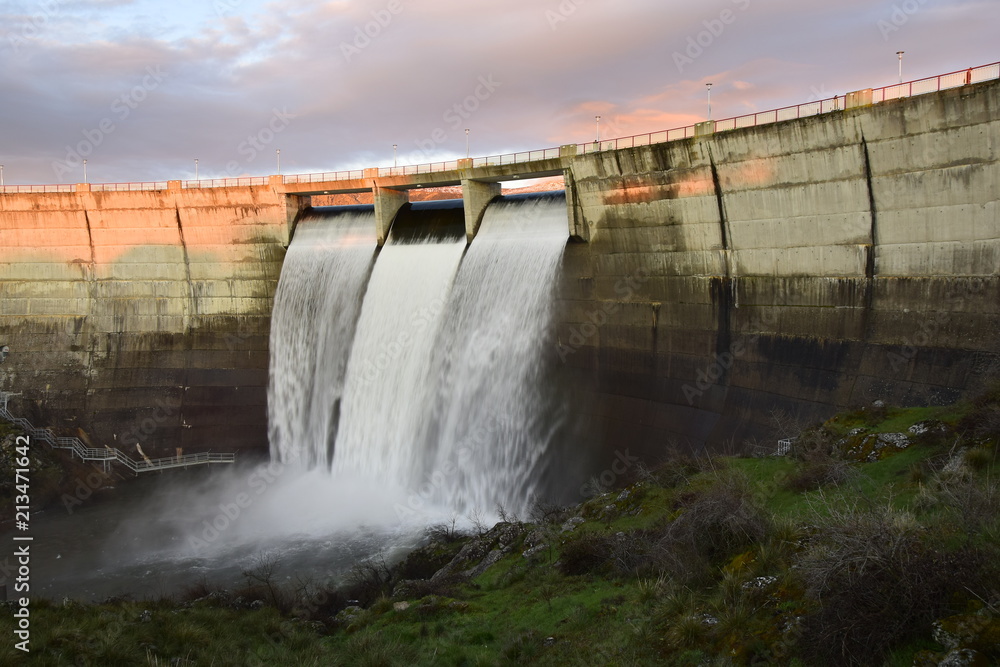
[492, 419]
[316, 307]
[438, 384]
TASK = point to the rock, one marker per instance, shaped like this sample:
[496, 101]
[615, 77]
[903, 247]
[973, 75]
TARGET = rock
[404, 589]
[878, 403]
[400, 606]
[571, 524]
[348, 615]
[624, 495]
[759, 583]
[257, 604]
[491, 558]
[549, 641]
[534, 551]
[483, 551]
[534, 538]
[877, 445]
[928, 426]
[458, 605]
[956, 463]
[963, 657]
[146, 616]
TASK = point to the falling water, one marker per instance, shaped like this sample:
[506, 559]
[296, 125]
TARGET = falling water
[441, 386]
[315, 312]
[492, 420]
[388, 390]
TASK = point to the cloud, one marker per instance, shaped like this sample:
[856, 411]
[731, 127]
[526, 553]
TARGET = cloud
[231, 63]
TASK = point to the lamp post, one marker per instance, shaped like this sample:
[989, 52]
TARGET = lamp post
[277, 154]
[196, 169]
[708, 86]
[900, 55]
[467, 143]
[394, 155]
[1, 175]
[85, 171]
[597, 121]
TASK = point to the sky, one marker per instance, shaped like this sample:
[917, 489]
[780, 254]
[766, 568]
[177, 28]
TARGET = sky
[143, 89]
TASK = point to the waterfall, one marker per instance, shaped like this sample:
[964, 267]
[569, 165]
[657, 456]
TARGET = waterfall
[439, 385]
[491, 420]
[387, 391]
[315, 312]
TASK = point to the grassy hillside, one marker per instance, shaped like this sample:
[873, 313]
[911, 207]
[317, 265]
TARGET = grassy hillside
[874, 541]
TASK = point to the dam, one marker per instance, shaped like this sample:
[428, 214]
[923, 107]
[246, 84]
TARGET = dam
[705, 280]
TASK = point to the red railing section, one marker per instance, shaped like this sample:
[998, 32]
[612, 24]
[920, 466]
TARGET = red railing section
[869, 96]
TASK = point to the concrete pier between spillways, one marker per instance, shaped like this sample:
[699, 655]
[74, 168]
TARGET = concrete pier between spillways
[805, 266]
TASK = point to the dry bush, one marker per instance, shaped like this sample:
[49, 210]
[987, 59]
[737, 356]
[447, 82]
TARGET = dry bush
[368, 581]
[712, 526]
[542, 513]
[972, 504]
[719, 522]
[818, 473]
[676, 468]
[587, 554]
[815, 445]
[261, 583]
[877, 582]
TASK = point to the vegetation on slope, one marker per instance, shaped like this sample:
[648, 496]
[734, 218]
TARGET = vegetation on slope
[874, 541]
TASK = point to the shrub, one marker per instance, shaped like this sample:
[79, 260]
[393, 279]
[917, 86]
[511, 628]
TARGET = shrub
[587, 554]
[719, 522]
[818, 473]
[876, 582]
[814, 444]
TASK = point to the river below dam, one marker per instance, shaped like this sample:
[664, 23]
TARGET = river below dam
[157, 536]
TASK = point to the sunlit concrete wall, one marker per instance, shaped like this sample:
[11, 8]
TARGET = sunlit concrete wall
[142, 317]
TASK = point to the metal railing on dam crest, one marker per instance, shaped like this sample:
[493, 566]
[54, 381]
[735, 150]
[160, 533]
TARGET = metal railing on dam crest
[859, 98]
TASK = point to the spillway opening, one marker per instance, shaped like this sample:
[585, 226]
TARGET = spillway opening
[426, 369]
[436, 220]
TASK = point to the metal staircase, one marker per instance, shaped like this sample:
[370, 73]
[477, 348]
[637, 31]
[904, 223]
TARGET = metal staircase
[107, 455]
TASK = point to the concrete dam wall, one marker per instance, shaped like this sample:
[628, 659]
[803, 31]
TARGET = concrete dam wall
[806, 266]
[142, 317]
